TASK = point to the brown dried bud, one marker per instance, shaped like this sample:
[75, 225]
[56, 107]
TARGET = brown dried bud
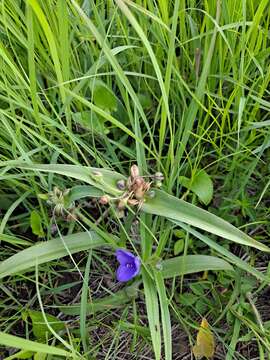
[139, 193]
[134, 171]
[71, 217]
[133, 202]
[122, 203]
[104, 200]
[139, 182]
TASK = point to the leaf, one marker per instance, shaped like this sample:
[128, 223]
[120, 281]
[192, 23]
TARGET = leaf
[225, 253]
[179, 246]
[103, 96]
[113, 301]
[48, 251]
[165, 315]
[91, 121]
[205, 345]
[101, 178]
[152, 308]
[166, 205]
[36, 225]
[189, 264]
[40, 328]
[28, 345]
[201, 184]
[82, 191]
[187, 299]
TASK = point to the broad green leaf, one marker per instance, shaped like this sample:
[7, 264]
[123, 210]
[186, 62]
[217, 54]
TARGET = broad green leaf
[189, 264]
[28, 345]
[36, 225]
[187, 299]
[178, 246]
[91, 121]
[40, 328]
[82, 191]
[21, 355]
[103, 96]
[48, 251]
[166, 205]
[201, 184]
[205, 345]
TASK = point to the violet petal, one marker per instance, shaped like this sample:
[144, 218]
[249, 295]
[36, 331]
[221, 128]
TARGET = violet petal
[125, 274]
[124, 256]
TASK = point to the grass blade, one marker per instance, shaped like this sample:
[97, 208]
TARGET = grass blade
[165, 315]
[152, 308]
[20, 343]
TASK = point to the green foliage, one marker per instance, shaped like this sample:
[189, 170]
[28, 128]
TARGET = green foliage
[40, 329]
[87, 90]
[201, 184]
[36, 225]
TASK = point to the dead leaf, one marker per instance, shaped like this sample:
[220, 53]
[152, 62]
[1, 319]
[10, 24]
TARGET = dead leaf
[205, 345]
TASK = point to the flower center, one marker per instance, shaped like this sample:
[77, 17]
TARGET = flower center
[129, 265]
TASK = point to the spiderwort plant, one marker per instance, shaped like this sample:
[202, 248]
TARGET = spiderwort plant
[129, 265]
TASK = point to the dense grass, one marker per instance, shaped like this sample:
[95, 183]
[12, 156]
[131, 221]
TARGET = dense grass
[173, 86]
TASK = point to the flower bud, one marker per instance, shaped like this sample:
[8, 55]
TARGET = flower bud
[134, 171]
[104, 200]
[139, 193]
[133, 202]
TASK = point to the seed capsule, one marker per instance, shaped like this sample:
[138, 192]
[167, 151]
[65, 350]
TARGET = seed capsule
[159, 176]
[121, 184]
[104, 200]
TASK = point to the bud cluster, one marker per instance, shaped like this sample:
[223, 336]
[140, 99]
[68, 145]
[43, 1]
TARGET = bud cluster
[134, 190]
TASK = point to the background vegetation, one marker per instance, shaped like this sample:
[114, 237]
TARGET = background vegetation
[179, 87]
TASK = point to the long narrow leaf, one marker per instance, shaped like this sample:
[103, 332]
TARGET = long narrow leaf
[165, 315]
[48, 251]
[189, 264]
[171, 207]
[152, 308]
[227, 254]
[20, 343]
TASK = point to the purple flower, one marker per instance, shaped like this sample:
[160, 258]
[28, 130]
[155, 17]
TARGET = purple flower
[129, 265]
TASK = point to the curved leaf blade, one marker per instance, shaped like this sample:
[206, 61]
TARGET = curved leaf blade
[101, 178]
[48, 251]
[20, 343]
[172, 208]
[182, 265]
